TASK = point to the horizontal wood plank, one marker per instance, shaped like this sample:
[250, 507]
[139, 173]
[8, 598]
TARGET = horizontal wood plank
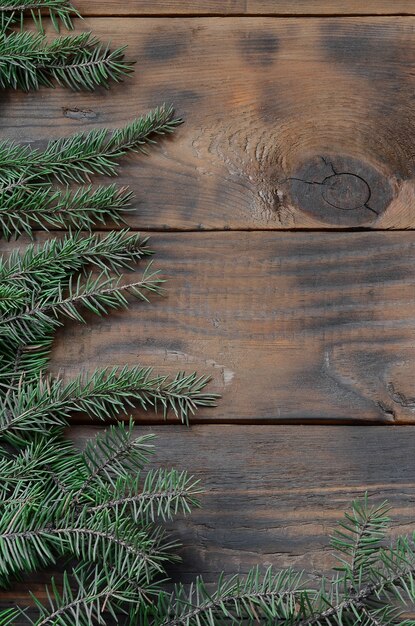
[292, 327]
[288, 123]
[274, 494]
[245, 7]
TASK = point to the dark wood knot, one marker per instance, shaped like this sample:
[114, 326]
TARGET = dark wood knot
[340, 190]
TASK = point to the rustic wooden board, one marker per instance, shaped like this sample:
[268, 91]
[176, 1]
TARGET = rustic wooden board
[246, 7]
[302, 123]
[292, 327]
[273, 494]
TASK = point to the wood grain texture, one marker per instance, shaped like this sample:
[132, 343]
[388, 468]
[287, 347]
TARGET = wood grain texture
[292, 327]
[302, 123]
[245, 7]
[273, 494]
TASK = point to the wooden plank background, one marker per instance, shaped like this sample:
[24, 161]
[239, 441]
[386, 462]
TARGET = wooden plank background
[270, 106]
[274, 495]
[278, 213]
[246, 7]
[293, 327]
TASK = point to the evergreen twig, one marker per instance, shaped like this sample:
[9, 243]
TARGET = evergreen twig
[59, 11]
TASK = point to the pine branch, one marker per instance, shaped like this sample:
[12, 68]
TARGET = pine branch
[26, 208]
[96, 537]
[87, 595]
[23, 518]
[58, 11]
[359, 537]
[38, 407]
[27, 198]
[78, 157]
[53, 262]
[164, 494]
[98, 295]
[26, 362]
[114, 454]
[28, 61]
[36, 458]
[11, 298]
[37, 526]
[49, 267]
[249, 600]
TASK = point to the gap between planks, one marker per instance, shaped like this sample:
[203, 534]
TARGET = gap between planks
[279, 16]
[201, 231]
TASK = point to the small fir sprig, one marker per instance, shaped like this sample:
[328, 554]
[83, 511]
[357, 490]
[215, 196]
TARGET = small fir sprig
[79, 62]
[28, 194]
[59, 12]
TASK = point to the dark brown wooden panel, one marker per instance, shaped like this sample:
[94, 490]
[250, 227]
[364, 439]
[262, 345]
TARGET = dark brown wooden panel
[292, 327]
[273, 494]
[245, 7]
[162, 7]
[289, 123]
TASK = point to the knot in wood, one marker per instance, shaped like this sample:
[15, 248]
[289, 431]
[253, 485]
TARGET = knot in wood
[346, 192]
[340, 190]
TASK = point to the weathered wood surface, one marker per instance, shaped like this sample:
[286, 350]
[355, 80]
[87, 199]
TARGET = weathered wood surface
[302, 123]
[293, 327]
[245, 7]
[273, 495]
[306, 327]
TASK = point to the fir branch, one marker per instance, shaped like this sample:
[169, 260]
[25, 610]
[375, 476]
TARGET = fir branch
[54, 262]
[11, 298]
[12, 11]
[359, 537]
[246, 600]
[104, 395]
[80, 156]
[23, 518]
[99, 295]
[87, 595]
[38, 525]
[112, 455]
[51, 266]
[120, 543]
[28, 60]
[26, 208]
[37, 457]
[26, 362]
[27, 198]
[164, 494]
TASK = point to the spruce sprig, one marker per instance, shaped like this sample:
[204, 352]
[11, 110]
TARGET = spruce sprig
[40, 266]
[79, 62]
[47, 403]
[98, 295]
[29, 199]
[59, 12]
[24, 208]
